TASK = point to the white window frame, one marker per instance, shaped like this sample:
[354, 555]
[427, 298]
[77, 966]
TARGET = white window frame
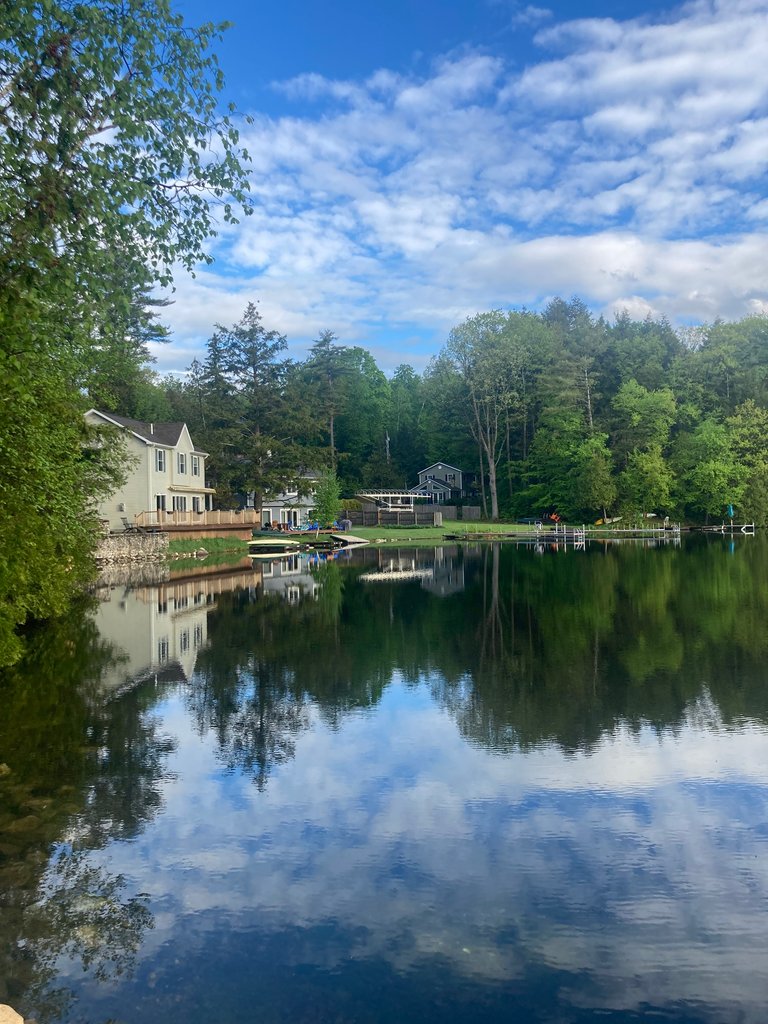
[195, 465]
[160, 462]
[182, 463]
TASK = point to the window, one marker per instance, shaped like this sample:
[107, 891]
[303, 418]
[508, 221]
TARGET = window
[179, 503]
[163, 650]
[182, 462]
[160, 460]
[197, 504]
[160, 500]
[184, 641]
[195, 465]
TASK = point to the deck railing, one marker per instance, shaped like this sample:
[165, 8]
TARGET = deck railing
[163, 520]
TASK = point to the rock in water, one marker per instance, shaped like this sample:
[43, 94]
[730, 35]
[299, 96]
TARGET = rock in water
[9, 1016]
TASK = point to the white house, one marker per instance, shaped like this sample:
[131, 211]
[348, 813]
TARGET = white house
[289, 507]
[440, 483]
[167, 472]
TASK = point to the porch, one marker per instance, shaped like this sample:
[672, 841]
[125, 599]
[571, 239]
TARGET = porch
[211, 523]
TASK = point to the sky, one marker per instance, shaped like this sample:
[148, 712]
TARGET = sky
[415, 163]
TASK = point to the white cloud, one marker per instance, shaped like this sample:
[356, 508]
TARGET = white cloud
[646, 832]
[632, 148]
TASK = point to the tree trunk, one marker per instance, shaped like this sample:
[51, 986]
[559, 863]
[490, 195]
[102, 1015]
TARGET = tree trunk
[482, 481]
[493, 488]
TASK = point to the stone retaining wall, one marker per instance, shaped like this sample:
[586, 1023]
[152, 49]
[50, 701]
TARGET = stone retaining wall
[125, 548]
[129, 575]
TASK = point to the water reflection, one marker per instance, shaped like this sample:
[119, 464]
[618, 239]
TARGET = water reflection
[475, 782]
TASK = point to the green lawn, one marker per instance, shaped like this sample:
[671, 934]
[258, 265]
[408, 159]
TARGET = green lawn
[214, 545]
[225, 548]
[434, 534]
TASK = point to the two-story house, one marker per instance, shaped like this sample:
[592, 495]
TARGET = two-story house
[167, 472]
[292, 506]
[440, 483]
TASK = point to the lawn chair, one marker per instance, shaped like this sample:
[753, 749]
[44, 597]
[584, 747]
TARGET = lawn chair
[128, 526]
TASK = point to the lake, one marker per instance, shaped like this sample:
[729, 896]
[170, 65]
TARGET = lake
[479, 783]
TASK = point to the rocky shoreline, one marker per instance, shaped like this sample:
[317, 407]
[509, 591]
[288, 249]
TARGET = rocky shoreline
[129, 548]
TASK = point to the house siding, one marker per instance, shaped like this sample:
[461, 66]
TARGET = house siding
[145, 482]
[449, 476]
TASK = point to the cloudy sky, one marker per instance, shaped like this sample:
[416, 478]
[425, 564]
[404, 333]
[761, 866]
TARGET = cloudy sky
[417, 161]
[388, 840]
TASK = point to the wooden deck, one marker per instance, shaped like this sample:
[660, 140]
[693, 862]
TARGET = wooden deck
[171, 521]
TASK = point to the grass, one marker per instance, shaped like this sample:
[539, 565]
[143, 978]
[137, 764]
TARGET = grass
[231, 548]
[434, 534]
[213, 545]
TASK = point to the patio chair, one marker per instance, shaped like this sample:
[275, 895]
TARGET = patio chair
[128, 526]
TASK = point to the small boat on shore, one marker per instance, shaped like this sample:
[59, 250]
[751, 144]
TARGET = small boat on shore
[273, 545]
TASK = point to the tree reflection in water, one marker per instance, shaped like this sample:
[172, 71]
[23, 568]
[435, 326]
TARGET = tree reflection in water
[521, 648]
[77, 774]
[553, 648]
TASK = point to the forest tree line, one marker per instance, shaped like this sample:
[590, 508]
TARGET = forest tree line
[557, 410]
[117, 164]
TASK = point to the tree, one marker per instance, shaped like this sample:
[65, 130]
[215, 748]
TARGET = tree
[551, 463]
[644, 418]
[488, 369]
[709, 476]
[361, 422]
[119, 378]
[446, 435]
[327, 498]
[748, 428]
[594, 487]
[646, 482]
[111, 152]
[109, 122]
[325, 371]
[405, 426]
[247, 429]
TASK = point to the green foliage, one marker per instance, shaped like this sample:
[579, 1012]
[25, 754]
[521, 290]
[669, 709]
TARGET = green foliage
[243, 414]
[327, 498]
[645, 484]
[644, 418]
[489, 365]
[709, 476]
[594, 485]
[111, 151]
[111, 139]
[213, 545]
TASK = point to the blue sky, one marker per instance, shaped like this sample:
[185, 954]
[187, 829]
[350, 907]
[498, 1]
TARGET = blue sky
[416, 163]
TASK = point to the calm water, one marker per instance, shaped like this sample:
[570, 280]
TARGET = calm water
[481, 784]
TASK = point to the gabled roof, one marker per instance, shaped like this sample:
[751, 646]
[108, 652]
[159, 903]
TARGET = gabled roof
[443, 465]
[152, 433]
[431, 482]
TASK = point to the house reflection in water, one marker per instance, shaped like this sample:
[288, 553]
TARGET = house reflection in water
[158, 629]
[289, 577]
[440, 570]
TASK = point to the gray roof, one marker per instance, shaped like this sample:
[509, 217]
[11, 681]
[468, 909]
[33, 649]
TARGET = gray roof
[445, 465]
[154, 433]
[429, 482]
